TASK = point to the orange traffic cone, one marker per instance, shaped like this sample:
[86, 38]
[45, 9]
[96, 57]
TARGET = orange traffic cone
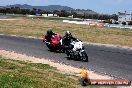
[84, 73]
[85, 78]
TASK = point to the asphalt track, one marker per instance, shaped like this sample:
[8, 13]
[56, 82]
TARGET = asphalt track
[114, 62]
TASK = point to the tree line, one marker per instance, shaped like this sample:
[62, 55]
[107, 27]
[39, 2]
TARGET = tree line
[62, 13]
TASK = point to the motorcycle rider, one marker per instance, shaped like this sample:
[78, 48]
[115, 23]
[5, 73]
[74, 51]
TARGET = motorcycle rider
[66, 41]
[48, 36]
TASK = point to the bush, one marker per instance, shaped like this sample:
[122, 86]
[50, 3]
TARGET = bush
[107, 21]
[130, 23]
[116, 23]
[124, 23]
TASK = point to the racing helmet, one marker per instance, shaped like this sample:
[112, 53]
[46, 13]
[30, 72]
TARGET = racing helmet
[50, 32]
[68, 34]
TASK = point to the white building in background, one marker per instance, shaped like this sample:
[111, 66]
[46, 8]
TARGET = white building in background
[124, 17]
[49, 15]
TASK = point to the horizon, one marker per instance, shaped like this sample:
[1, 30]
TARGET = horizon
[99, 6]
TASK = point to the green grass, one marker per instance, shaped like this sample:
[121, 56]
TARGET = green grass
[20, 74]
[17, 81]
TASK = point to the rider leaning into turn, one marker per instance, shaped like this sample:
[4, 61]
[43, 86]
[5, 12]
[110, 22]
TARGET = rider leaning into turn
[48, 36]
[66, 40]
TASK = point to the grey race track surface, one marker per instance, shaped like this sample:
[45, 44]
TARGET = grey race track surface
[112, 61]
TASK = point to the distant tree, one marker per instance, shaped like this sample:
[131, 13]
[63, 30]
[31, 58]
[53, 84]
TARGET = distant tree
[43, 11]
[84, 15]
[4, 11]
[130, 23]
[107, 21]
[90, 16]
[63, 13]
[116, 23]
[1, 10]
[101, 17]
[33, 11]
[80, 16]
[55, 11]
[124, 23]
[39, 11]
[8, 10]
[95, 16]
[25, 11]
[114, 16]
[74, 15]
[16, 10]
[106, 17]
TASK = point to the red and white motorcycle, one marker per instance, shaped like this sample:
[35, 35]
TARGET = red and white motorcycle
[55, 44]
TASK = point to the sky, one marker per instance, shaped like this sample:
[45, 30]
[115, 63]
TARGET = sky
[100, 6]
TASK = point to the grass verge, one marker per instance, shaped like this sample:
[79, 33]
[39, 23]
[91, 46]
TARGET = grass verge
[20, 74]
